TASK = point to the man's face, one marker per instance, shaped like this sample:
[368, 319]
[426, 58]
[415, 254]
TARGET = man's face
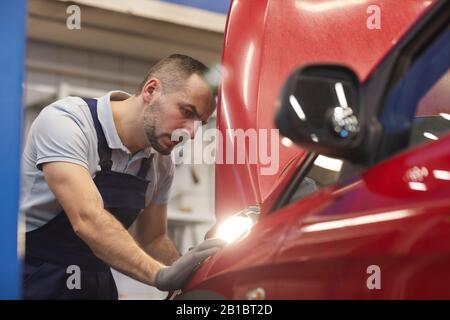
[177, 110]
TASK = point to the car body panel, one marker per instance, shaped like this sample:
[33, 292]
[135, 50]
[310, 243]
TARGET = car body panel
[323, 245]
[257, 58]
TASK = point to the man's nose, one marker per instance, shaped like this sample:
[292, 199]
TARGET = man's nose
[192, 128]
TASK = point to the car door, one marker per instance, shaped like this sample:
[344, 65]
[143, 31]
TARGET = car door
[381, 231]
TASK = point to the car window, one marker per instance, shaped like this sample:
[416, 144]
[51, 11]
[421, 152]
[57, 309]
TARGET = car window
[324, 171]
[418, 107]
[432, 118]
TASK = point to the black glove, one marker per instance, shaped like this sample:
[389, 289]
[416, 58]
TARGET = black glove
[175, 276]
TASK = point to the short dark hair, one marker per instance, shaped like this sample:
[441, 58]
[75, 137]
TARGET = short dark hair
[172, 71]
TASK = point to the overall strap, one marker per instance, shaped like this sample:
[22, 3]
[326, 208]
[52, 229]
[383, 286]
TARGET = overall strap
[145, 166]
[104, 151]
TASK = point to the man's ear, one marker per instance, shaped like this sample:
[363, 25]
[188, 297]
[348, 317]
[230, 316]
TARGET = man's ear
[150, 88]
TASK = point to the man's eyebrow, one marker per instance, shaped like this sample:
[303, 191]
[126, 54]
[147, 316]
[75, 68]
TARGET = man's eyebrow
[194, 109]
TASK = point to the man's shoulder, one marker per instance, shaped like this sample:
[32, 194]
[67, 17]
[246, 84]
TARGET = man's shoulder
[165, 163]
[72, 107]
[62, 132]
[65, 122]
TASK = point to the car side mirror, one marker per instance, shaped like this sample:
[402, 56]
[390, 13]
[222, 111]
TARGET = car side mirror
[319, 109]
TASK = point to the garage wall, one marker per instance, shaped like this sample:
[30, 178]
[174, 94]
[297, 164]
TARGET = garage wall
[51, 66]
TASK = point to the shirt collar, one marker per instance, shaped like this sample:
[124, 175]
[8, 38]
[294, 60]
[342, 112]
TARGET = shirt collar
[106, 119]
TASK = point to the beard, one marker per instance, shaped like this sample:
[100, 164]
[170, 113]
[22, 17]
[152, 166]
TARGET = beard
[152, 116]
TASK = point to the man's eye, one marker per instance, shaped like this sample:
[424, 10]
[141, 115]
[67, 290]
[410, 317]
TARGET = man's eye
[188, 113]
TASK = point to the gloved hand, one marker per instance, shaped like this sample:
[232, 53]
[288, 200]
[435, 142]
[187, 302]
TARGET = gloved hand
[175, 276]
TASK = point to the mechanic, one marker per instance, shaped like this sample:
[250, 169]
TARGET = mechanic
[92, 168]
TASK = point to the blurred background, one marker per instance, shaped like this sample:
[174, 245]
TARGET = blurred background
[115, 45]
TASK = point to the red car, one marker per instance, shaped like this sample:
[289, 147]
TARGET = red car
[359, 206]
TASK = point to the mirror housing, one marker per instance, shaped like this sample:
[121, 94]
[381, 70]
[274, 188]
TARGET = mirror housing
[319, 109]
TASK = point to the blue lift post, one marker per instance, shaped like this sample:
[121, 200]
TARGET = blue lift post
[12, 54]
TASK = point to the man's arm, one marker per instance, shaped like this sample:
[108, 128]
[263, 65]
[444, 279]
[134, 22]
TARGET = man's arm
[150, 231]
[108, 239]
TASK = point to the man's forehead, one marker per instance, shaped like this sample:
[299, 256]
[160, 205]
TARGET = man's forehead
[198, 95]
[200, 91]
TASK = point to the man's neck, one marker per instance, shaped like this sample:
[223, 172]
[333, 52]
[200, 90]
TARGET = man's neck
[128, 125]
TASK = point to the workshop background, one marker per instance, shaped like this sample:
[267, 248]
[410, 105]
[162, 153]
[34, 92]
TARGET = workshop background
[116, 44]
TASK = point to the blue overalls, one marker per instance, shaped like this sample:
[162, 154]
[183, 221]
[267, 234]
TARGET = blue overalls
[52, 248]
